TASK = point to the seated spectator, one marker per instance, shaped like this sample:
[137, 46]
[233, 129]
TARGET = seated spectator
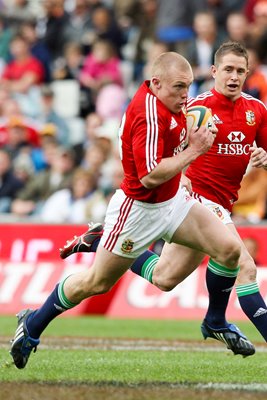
[23, 167]
[24, 71]
[48, 115]
[256, 82]
[101, 67]
[30, 199]
[23, 75]
[6, 34]
[81, 203]
[71, 64]
[201, 49]
[105, 27]
[253, 246]
[251, 204]
[37, 47]
[92, 122]
[94, 159]
[17, 135]
[237, 27]
[79, 23]
[69, 68]
[52, 27]
[9, 183]
[41, 156]
[18, 11]
[108, 109]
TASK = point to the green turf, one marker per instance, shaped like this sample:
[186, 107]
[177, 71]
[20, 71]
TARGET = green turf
[134, 367]
[105, 327]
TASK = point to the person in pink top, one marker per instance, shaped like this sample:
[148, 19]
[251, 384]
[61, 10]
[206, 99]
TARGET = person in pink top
[101, 66]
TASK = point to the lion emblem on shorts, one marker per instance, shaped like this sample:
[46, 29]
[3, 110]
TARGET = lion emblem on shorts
[127, 246]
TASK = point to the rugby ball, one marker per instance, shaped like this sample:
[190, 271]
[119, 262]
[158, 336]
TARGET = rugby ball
[197, 116]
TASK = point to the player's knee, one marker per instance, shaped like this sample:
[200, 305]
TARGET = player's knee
[163, 282]
[102, 287]
[232, 253]
[95, 286]
[247, 272]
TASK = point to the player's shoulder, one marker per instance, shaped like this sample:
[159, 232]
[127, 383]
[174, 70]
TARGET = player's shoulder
[200, 99]
[252, 101]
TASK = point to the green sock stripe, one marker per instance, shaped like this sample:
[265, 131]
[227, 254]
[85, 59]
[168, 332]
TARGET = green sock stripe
[221, 270]
[244, 290]
[148, 267]
[62, 297]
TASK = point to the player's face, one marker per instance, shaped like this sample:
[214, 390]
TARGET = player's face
[230, 75]
[172, 90]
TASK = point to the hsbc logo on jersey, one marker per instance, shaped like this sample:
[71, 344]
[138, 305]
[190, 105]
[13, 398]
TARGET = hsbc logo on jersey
[236, 137]
[235, 147]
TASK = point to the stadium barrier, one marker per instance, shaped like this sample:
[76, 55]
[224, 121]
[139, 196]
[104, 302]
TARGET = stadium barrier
[30, 267]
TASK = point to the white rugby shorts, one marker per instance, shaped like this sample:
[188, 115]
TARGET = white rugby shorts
[222, 213]
[131, 226]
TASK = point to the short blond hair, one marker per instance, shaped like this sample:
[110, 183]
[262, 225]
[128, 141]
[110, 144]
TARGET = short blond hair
[166, 61]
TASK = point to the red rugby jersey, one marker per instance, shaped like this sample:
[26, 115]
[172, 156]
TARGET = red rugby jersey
[217, 174]
[148, 133]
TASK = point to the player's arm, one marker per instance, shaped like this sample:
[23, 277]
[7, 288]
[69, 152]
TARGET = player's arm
[199, 143]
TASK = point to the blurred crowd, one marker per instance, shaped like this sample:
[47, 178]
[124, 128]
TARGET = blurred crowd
[67, 72]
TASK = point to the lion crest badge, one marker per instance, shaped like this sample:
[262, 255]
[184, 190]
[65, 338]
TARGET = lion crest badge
[250, 118]
[127, 246]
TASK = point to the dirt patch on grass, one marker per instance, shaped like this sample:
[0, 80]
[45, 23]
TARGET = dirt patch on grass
[35, 391]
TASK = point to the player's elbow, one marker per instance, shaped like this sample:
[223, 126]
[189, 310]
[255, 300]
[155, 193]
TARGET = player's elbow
[148, 182]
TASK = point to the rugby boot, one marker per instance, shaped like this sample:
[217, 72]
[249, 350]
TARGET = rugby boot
[234, 339]
[22, 344]
[83, 243]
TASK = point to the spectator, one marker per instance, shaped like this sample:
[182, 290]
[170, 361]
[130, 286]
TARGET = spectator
[94, 159]
[253, 246]
[256, 82]
[92, 122]
[49, 115]
[6, 34]
[24, 71]
[41, 156]
[9, 183]
[23, 167]
[80, 203]
[30, 199]
[252, 196]
[18, 11]
[22, 75]
[37, 47]
[201, 49]
[105, 27]
[101, 67]
[108, 109]
[237, 27]
[52, 27]
[258, 30]
[71, 64]
[146, 34]
[79, 23]
[18, 136]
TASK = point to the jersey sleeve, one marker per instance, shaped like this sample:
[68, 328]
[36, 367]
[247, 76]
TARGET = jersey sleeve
[148, 141]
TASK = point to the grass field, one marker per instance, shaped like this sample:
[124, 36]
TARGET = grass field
[145, 356]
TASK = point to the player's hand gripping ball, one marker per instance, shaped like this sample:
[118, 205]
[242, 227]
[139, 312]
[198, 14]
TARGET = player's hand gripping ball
[198, 116]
